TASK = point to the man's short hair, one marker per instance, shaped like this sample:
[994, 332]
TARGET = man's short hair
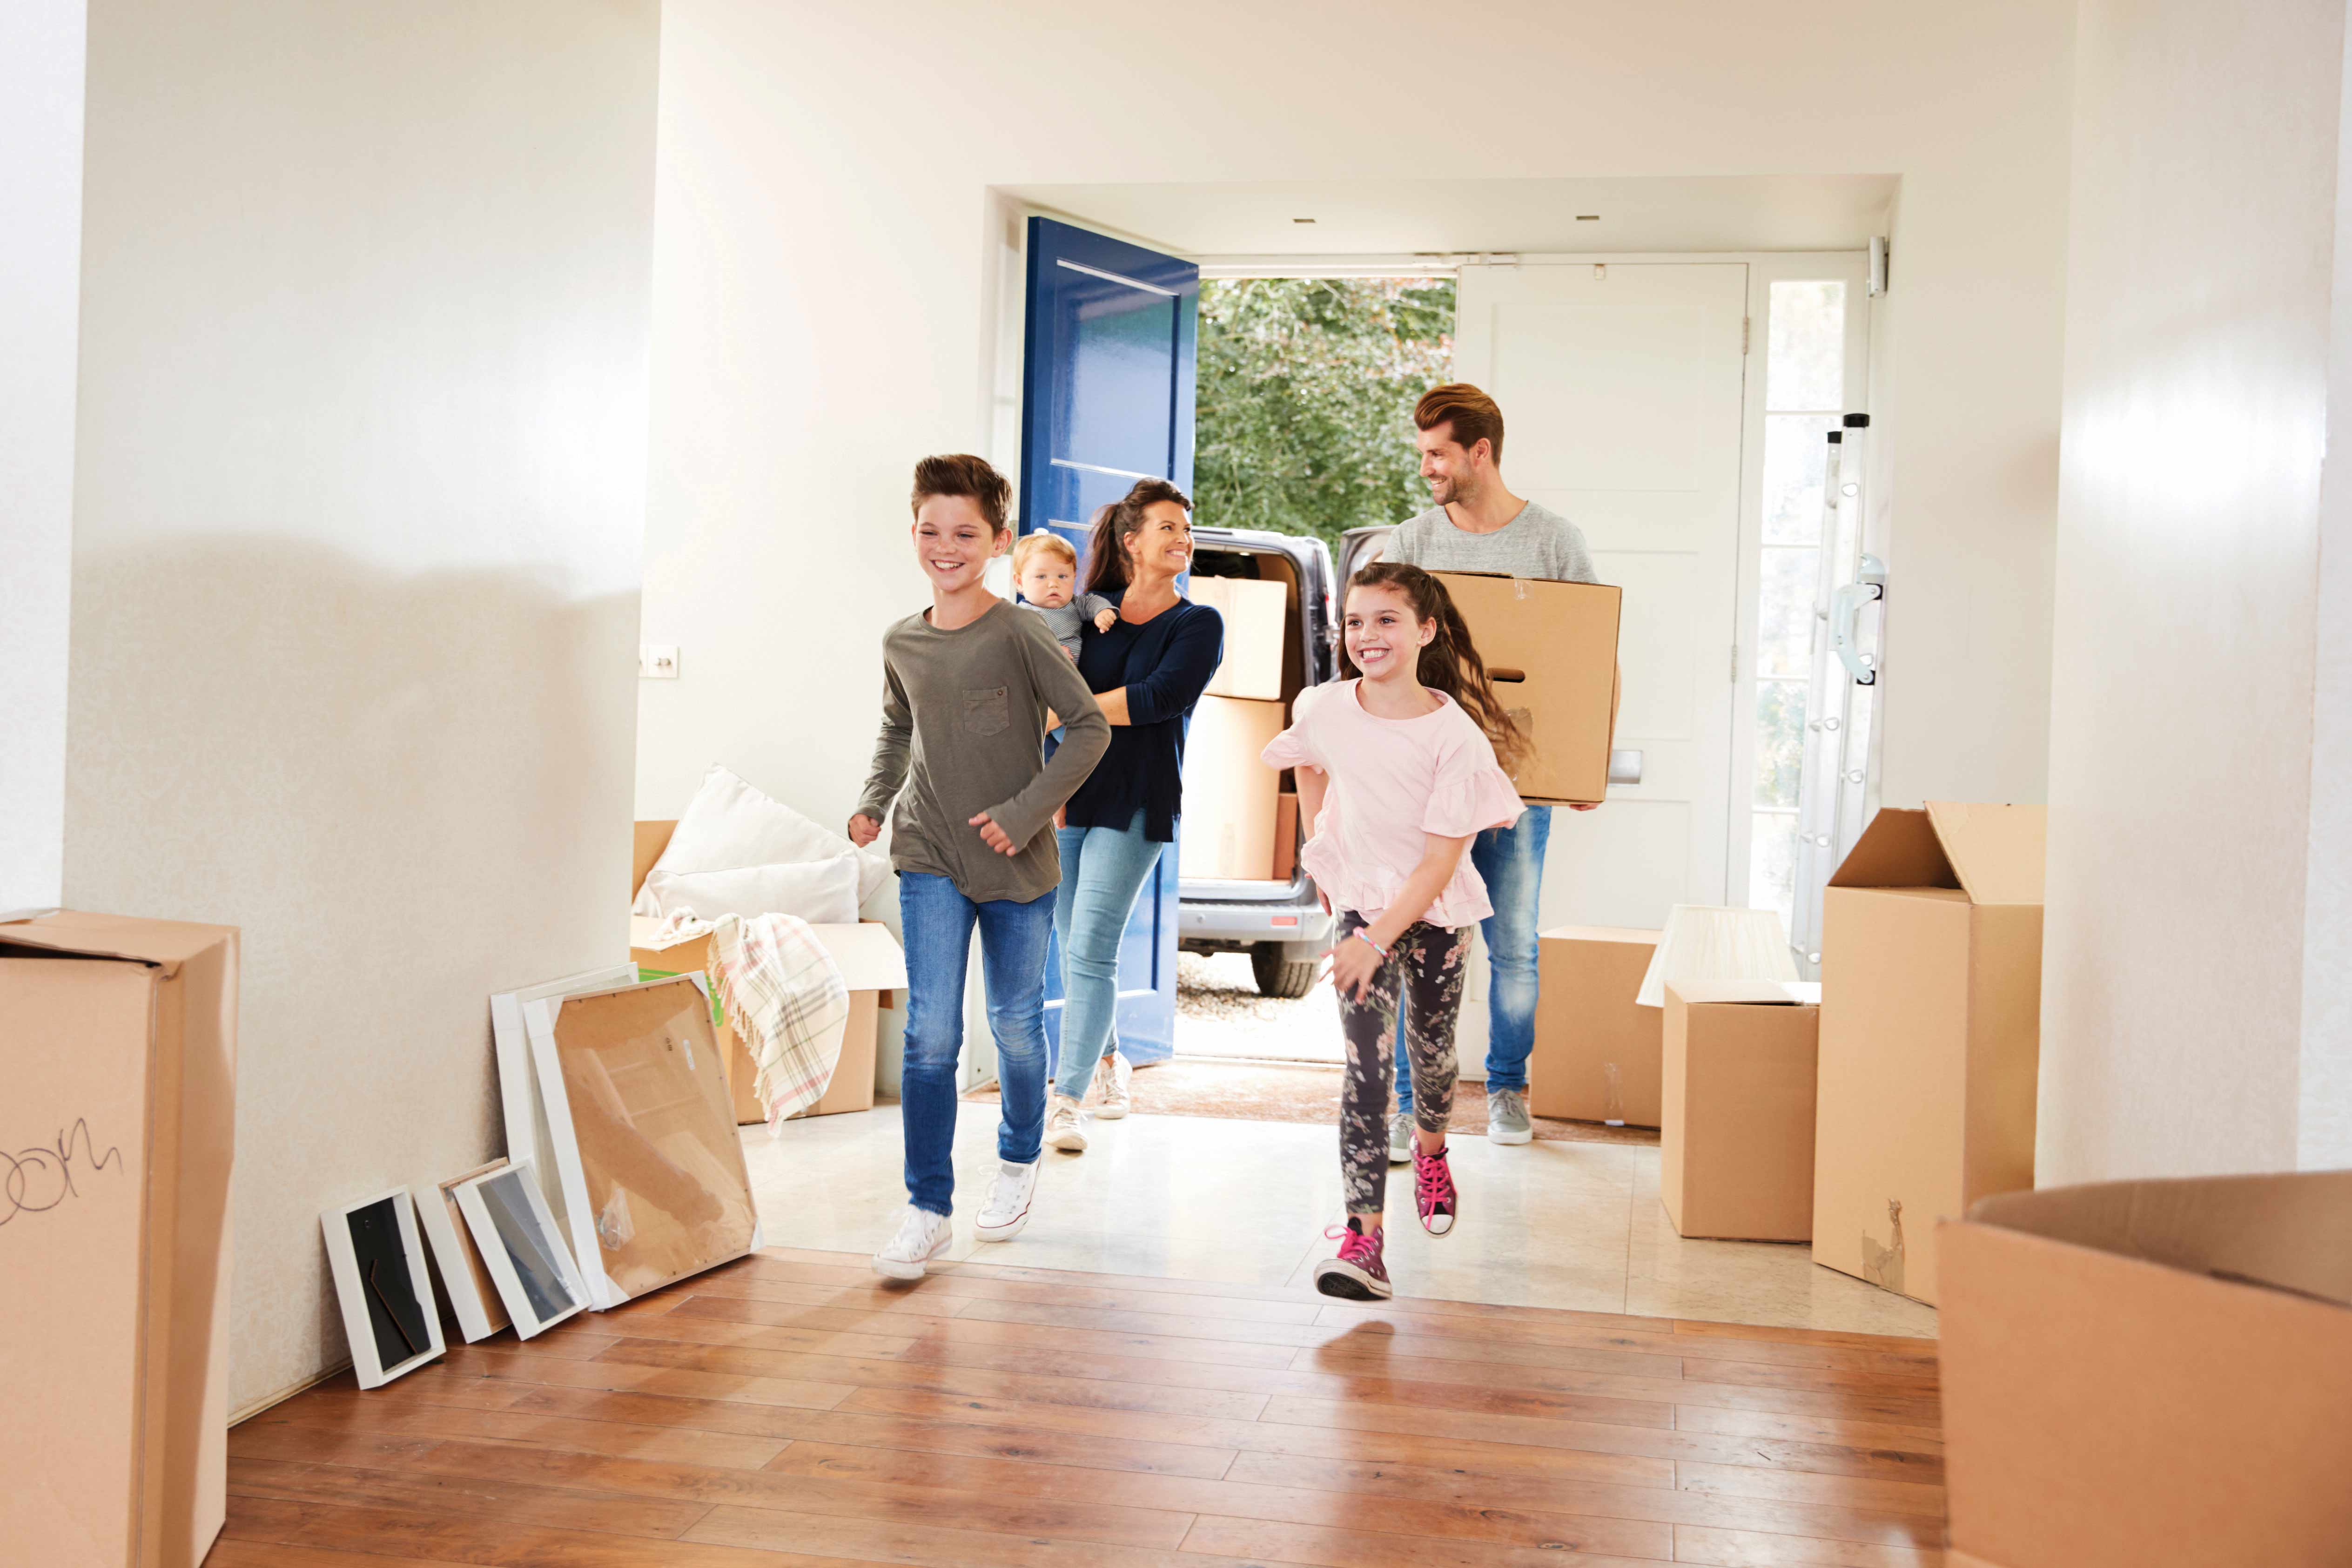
[1471, 412]
[961, 474]
[1044, 542]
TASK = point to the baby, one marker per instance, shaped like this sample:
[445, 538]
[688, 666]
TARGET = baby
[1046, 567]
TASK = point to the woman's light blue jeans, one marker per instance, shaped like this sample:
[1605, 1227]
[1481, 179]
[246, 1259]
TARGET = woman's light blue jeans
[1102, 870]
[939, 922]
[1511, 862]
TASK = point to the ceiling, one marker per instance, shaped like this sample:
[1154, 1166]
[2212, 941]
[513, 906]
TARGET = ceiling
[1770, 212]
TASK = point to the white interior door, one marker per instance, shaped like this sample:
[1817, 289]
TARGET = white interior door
[1621, 387]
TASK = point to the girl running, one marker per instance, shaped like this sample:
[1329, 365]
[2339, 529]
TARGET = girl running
[1397, 771]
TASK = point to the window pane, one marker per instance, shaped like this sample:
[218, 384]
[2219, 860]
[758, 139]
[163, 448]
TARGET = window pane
[1779, 741]
[1784, 613]
[1796, 452]
[1807, 347]
[1772, 865]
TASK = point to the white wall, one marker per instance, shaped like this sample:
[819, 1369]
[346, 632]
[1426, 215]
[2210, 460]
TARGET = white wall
[823, 315]
[358, 514]
[41, 61]
[2198, 368]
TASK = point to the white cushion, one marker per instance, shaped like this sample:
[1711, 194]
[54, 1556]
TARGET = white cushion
[730, 825]
[822, 892]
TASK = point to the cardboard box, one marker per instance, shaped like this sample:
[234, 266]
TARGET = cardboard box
[1256, 615]
[118, 1047]
[1230, 796]
[1931, 1000]
[1551, 650]
[1736, 1138]
[1285, 836]
[872, 964]
[2144, 1373]
[1596, 1055]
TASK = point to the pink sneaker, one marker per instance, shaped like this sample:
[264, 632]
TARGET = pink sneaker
[1432, 1191]
[1357, 1273]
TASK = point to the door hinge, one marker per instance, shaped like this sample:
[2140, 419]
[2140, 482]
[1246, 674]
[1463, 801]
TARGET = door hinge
[1744, 323]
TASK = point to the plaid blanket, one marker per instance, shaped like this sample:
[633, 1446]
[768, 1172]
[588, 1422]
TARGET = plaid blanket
[784, 994]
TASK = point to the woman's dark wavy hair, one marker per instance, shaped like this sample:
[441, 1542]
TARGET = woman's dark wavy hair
[1108, 566]
[1450, 663]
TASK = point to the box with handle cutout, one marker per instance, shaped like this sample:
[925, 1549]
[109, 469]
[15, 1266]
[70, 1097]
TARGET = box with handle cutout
[1550, 649]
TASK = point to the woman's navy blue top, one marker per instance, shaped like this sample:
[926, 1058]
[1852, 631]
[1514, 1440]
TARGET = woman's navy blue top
[1165, 664]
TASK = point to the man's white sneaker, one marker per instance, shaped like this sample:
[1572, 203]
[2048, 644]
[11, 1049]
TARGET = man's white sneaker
[1112, 1075]
[1400, 1137]
[1065, 1126]
[922, 1235]
[1007, 1208]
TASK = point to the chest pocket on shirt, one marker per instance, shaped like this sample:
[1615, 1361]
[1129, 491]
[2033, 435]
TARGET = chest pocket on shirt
[987, 711]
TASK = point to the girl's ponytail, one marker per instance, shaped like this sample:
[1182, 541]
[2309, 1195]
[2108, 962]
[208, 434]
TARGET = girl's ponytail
[1450, 663]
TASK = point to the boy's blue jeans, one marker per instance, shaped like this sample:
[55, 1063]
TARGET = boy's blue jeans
[939, 921]
[1511, 862]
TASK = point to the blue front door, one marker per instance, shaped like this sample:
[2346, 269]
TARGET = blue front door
[1107, 399]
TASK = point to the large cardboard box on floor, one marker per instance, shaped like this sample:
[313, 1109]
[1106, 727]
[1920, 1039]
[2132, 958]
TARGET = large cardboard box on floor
[1931, 1002]
[1256, 616]
[2143, 1372]
[117, 1053]
[872, 965]
[1596, 1055]
[1736, 1136]
[1551, 651]
[1230, 796]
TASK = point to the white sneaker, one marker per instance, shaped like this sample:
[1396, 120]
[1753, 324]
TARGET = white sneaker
[922, 1235]
[1065, 1126]
[1007, 1208]
[1112, 1075]
[1400, 1137]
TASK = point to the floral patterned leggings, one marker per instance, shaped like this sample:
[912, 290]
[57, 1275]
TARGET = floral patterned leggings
[1422, 975]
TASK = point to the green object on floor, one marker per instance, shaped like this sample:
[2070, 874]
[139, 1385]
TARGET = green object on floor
[717, 1013]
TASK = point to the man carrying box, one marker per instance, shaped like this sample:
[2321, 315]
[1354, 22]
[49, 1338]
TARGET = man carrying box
[1478, 525]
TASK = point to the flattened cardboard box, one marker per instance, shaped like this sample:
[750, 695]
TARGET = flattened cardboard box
[118, 1044]
[1736, 1140]
[1596, 1054]
[1931, 1001]
[1551, 651]
[872, 966]
[1230, 795]
[1256, 614]
[2146, 1373]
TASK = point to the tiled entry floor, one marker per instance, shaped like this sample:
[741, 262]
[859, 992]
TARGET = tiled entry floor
[1571, 1225]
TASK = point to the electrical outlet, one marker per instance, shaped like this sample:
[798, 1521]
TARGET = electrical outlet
[657, 661]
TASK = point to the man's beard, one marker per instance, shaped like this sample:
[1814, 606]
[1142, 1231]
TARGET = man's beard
[1444, 491]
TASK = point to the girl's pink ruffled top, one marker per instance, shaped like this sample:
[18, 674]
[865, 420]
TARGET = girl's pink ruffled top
[1393, 783]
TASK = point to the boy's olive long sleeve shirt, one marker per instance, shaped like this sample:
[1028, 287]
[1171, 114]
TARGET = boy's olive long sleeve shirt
[964, 728]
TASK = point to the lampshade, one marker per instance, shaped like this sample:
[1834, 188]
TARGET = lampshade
[1701, 942]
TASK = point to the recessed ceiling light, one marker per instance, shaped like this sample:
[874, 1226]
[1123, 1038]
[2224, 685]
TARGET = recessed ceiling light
[1302, 220]
[1588, 218]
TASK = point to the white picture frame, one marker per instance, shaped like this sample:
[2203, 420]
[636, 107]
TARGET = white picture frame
[454, 1255]
[377, 1258]
[518, 1096]
[522, 1247]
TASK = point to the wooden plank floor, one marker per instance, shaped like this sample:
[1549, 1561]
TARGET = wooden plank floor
[791, 1409]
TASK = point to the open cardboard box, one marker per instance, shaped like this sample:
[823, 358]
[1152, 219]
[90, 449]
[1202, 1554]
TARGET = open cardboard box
[2143, 1372]
[1930, 1041]
[871, 962]
[120, 1117]
[1551, 650]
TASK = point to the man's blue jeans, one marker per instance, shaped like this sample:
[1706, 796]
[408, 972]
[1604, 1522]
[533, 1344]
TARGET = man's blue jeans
[939, 921]
[1509, 860]
[1102, 870]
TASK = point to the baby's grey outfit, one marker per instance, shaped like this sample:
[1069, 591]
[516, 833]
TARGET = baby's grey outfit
[1065, 622]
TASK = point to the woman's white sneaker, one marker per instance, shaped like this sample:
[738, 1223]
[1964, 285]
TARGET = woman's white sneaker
[1007, 1208]
[922, 1235]
[1111, 1076]
[1065, 1126]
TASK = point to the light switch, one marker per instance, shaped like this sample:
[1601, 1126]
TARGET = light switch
[657, 661]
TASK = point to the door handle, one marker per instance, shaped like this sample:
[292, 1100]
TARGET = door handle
[1625, 767]
[1845, 616]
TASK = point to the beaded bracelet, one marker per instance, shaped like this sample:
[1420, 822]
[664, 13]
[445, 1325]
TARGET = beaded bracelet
[1365, 937]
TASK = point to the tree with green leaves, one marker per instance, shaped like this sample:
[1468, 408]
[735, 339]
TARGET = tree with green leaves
[1306, 388]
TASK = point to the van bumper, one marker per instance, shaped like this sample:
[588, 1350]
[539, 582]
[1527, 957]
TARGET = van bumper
[1224, 925]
